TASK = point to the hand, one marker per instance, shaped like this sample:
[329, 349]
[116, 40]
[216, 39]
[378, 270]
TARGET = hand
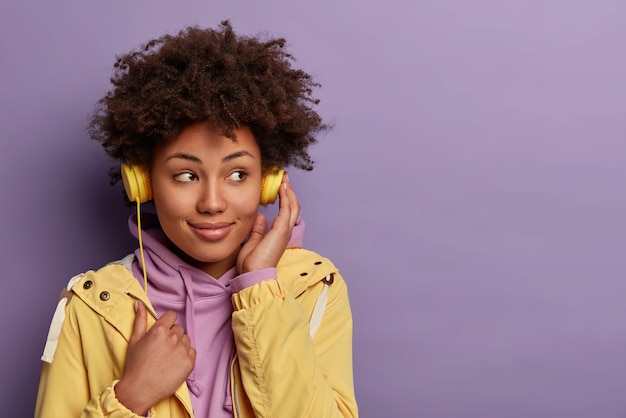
[157, 362]
[262, 249]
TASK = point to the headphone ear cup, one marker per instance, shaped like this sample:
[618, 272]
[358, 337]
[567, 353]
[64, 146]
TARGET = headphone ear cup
[136, 183]
[270, 185]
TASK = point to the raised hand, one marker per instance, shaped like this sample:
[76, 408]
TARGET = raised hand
[263, 249]
[157, 362]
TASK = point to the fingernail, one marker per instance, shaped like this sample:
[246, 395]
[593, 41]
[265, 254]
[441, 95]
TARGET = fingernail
[136, 306]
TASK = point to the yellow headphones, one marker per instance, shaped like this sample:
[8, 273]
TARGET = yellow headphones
[137, 184]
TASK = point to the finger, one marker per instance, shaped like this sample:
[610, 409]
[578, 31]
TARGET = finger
[258, 230]
[192, 354]
[292, 200]
[167, 320]
[178, 330]
[186, 340]
[139, 327]
[284, 206]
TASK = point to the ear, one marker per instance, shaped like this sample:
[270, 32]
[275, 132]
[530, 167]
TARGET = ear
[136, 183]
[270, 185]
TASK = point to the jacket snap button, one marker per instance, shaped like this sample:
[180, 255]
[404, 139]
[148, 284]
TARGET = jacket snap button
[104, 296]
[303, 274]
[87, 284]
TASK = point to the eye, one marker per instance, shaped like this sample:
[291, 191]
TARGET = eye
[238, 175]
[185, 177]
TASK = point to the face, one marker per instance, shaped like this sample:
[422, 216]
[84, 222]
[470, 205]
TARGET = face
[206, 190]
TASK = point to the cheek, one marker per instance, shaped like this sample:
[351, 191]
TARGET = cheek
[246, 205]
[170, 206]
[167, 213]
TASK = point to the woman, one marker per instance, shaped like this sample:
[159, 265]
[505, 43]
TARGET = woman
[216, 314]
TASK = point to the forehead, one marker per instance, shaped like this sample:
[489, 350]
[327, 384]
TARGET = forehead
[199, 139]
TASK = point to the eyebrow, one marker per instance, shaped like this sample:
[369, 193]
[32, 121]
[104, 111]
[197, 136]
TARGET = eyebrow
[193, 158]
[184, 156]
[237, 154]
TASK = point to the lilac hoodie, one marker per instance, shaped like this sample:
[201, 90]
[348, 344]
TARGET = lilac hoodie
[203, 307]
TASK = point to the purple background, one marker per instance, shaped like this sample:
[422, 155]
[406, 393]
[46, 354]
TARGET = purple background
[472, 191]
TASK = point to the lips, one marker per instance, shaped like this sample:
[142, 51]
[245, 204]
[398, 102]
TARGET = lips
[211, 231]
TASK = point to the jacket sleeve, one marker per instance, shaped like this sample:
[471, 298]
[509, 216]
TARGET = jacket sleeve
[64, 386]
[285, 373]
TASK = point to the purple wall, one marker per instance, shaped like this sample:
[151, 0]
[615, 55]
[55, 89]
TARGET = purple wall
[472, 192]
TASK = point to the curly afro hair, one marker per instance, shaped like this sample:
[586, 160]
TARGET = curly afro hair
[214, 76]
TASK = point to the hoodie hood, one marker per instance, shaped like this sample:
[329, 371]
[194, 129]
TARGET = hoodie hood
[200, 301]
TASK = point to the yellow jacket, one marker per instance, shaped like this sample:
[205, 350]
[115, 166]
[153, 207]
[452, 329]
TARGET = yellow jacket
[279, 370]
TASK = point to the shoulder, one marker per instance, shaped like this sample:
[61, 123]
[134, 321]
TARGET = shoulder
[85, 301]
[298, 262]
[301, 269]
[103, 287]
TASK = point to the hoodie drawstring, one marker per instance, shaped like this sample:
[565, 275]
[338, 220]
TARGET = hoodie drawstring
[190, 324]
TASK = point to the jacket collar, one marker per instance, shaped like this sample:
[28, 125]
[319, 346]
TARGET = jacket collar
[111, 292]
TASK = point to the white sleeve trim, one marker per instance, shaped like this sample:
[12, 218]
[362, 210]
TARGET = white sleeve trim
[320, 307]
[57, 322]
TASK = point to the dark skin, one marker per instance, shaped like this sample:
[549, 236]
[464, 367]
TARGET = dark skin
[226, 81]
[159, 360]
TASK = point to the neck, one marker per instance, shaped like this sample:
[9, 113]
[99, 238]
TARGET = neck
[214, 269]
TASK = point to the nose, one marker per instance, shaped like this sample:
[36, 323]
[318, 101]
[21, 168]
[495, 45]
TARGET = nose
[211, 199]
